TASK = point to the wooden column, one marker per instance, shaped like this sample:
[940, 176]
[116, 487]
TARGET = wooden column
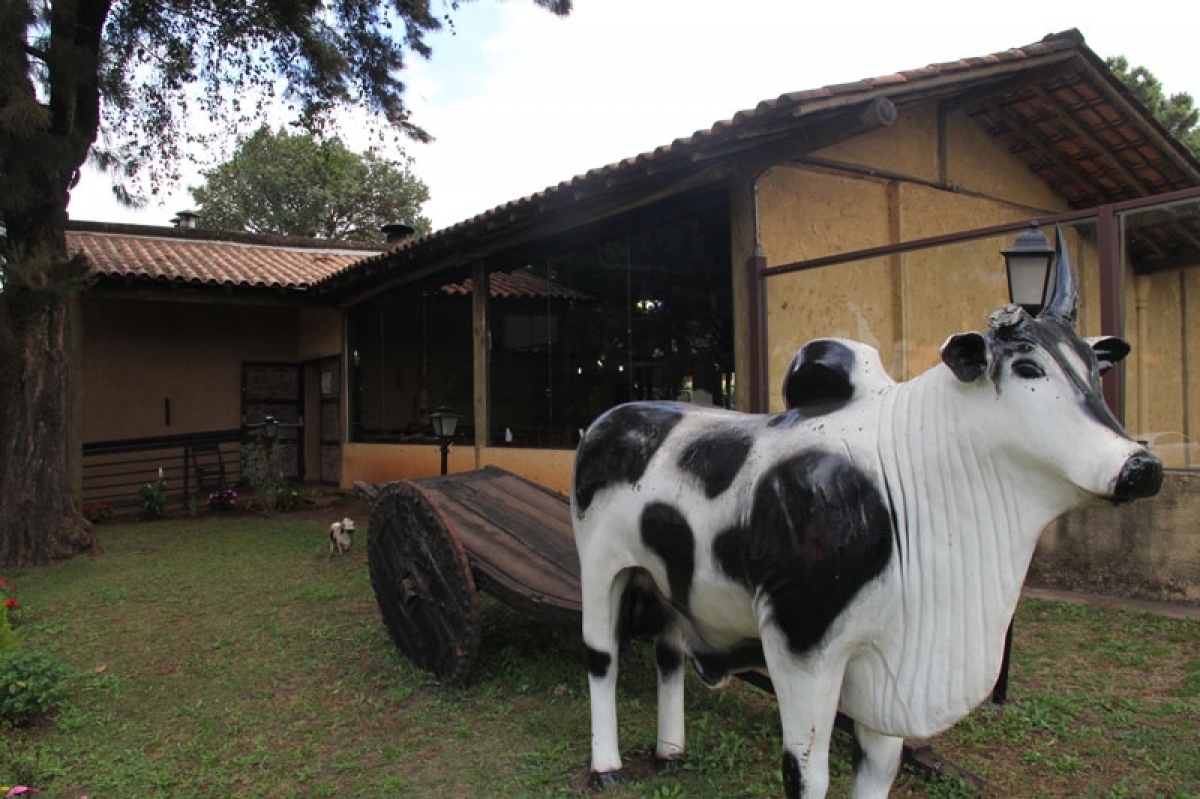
[1112, 303]
[482, 350]
[749, 296]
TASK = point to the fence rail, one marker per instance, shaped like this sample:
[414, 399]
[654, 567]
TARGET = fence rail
[192, 464]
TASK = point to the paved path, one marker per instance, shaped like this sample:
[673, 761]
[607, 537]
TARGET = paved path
[1171, 610]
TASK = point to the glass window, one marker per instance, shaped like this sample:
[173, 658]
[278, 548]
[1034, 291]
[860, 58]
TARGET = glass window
[1161, 246]
[410, 352]
[634, 308]
[639, 309]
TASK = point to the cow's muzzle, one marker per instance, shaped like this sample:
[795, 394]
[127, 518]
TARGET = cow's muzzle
[1141, 476]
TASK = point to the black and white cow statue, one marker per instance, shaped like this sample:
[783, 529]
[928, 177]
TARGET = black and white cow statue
[866, 546]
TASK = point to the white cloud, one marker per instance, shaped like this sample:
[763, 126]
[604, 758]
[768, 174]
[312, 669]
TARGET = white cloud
[519, 100]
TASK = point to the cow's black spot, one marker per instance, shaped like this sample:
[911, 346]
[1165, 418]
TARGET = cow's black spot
[818, 379]
[713, 667]
[716, 459]
[642, 613]
[668, 659]
[793, 780]
[667, 534]
[597, 661]
[619, 445]
[819, 530]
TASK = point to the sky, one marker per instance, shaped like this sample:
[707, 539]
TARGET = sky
[519, 100]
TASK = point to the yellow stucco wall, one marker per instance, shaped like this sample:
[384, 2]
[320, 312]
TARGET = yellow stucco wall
[381, 463]
[318, 333]
[138, 354]
[1160, 408]
[904, 305]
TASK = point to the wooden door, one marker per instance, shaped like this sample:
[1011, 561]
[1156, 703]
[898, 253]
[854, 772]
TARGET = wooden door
[330, 393]
[276, 389]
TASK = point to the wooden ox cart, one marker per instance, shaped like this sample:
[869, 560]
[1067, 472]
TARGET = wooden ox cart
[434, 542]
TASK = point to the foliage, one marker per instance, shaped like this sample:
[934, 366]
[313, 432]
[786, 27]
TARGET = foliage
[223, 498]
[30, 683]
[10, 640]
[1177, 112]
[286, 496]
[98, 513]
[154, 497]
[260, 468]
[301, 185]
[11, 601]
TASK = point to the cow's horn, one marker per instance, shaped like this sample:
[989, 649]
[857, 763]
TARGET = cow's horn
[1064, 297]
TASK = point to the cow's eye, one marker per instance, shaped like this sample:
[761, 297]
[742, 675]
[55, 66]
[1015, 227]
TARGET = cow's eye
[1028, 369]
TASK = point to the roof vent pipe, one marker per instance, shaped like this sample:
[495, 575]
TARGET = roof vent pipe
[397, 232]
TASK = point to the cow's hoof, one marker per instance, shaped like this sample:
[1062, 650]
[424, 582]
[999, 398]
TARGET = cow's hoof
[602, 780]
[664, 765]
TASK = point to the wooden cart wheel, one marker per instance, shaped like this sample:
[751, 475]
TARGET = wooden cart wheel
[423, 583]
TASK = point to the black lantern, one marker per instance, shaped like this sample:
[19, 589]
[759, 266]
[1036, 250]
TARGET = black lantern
[1028, 264]
[445, 423]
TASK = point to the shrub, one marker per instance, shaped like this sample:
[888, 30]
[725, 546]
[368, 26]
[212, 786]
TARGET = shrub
[10, 601]
[30, 683]
[223, 498]
[10, 640]
[154, 497]
[98, 513]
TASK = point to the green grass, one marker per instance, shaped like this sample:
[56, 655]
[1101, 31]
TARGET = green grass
[230, 657]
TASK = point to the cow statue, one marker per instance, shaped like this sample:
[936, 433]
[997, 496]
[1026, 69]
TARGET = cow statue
[866, 546]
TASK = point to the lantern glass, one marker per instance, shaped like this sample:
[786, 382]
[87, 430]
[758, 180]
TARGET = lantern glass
[444, 421]
[1029, 263]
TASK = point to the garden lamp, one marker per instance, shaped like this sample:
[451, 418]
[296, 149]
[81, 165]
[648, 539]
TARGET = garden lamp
[445, 423]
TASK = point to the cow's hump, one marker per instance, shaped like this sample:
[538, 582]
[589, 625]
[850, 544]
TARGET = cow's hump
[828, 373]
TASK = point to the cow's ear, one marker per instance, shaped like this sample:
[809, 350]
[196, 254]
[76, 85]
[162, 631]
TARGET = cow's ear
[1109, 350]
[967, 355]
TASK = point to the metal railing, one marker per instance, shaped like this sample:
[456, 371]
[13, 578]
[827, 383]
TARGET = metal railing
[192, 464]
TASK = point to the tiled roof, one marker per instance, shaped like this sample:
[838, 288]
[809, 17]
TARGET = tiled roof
[517, 284]
[1054, 103]
[201, 258]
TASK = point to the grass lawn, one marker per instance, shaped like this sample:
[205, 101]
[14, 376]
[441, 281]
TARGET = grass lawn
[228, 656]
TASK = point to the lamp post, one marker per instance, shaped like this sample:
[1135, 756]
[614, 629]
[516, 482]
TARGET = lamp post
[445, 423]
[1028, 264]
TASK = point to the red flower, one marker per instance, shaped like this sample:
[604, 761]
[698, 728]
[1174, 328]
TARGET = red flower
[11, 603]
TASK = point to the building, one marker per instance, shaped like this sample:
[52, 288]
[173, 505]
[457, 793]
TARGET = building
[874, 210]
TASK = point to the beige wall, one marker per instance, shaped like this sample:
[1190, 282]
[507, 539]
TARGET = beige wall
[136, 354]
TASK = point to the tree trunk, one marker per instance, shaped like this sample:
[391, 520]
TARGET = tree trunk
[49, 117]
[39, 521]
